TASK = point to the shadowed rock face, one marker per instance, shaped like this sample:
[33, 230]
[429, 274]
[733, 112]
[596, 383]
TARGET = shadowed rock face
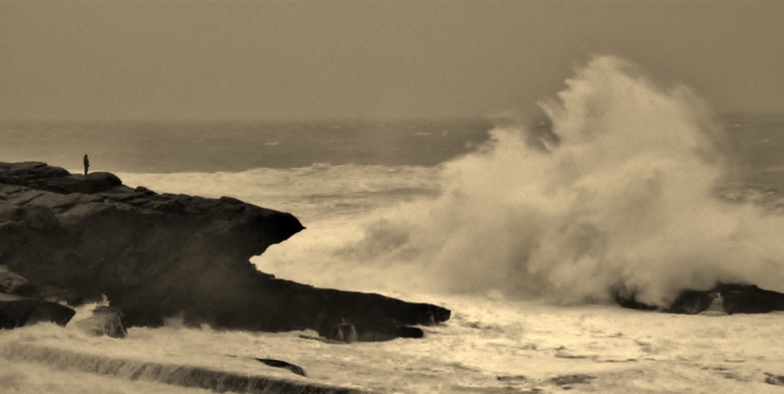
[12, 283]
[155, 255]
[17, 311]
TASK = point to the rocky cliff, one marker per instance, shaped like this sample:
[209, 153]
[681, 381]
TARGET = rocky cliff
[77, 237]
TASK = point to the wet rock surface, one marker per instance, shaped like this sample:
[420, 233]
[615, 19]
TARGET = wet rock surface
[105, 320]
[282, 364]
[77, 237]
[21, 304]
[17, 311]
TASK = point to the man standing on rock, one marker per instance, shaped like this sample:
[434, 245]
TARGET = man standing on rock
[86, 164]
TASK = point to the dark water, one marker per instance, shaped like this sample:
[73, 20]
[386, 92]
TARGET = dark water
[183, 147]
[179, 147]
[756, 143]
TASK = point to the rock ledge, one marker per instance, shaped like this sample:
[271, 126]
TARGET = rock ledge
[153, 255]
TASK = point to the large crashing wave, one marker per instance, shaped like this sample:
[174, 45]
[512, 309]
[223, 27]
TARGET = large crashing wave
[622, 201]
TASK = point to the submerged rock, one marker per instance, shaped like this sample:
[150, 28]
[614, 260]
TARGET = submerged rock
[511, 378]
[282, 364]
[159, 255]
[566, 381]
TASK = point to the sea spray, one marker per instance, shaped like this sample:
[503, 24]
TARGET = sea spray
[312, 193]
[619, 195]
[622, 200]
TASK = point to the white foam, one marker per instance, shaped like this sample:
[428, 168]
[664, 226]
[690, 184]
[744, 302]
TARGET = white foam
[487, 337]
[625, 200]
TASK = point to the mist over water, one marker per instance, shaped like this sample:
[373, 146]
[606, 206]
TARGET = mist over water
[622, 200]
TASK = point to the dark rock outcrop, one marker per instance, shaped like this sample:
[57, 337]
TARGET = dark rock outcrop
[105, 320]
[736, 298]
[776, 380]
[79, 237]
[21, 306]
[17, 311]
[724, 298]
[628, 299]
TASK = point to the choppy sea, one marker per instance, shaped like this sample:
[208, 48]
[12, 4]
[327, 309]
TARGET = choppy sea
[521, 228]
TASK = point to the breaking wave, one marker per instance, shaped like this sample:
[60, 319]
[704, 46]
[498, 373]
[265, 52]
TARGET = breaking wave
[618, 197]
[616, 192]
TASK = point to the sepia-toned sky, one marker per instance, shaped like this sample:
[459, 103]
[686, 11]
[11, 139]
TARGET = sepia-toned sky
[255, 60]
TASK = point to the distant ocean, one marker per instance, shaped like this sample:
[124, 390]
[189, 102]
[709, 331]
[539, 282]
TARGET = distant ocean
[342, 150]
[171, 147]
[521, 228]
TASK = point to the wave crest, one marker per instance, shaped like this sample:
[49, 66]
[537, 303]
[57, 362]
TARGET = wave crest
[621, 200]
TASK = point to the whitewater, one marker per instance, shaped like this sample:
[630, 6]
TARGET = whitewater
[629, 185]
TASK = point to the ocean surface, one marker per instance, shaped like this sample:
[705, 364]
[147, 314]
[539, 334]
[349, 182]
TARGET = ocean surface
[521, 228]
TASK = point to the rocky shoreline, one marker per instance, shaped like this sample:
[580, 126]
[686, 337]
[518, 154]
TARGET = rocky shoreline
[724, 298]
[72, 239]
[77, 238]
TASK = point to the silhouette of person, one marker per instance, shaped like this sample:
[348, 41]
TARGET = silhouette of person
[86, 164]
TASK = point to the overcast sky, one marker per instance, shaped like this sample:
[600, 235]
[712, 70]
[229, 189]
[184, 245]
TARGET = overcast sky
[249, 60]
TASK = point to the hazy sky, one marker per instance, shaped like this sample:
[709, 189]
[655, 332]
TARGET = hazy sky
[228, 59]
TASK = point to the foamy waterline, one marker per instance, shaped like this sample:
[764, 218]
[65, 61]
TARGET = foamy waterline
[179, 375]
[492, 344]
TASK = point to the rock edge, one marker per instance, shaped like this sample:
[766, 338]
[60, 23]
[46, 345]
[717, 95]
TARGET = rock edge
[78, 237]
